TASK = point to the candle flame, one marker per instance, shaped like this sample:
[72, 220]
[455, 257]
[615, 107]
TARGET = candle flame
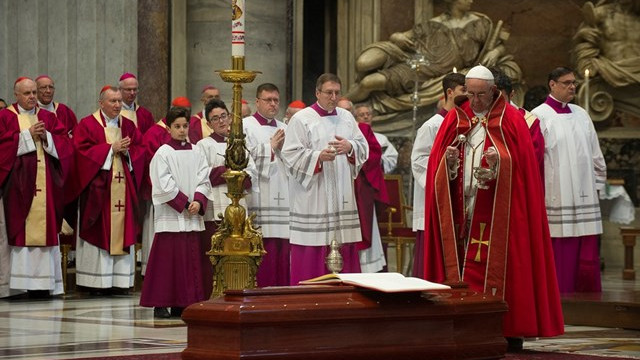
[455, 70]
[586, 73]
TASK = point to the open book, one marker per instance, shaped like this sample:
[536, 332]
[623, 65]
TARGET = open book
[386, 282]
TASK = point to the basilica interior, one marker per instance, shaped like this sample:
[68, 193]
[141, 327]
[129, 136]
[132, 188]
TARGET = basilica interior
[178, 46]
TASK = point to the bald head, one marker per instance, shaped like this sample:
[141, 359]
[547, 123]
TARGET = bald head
[26, 92]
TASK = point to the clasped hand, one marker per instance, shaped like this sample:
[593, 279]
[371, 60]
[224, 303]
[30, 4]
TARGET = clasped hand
[339, 146]
[122, 145]
[38, 130]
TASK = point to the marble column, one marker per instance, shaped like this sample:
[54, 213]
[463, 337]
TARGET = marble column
[153, 56]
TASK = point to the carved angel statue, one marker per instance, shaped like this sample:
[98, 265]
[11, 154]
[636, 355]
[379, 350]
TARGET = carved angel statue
[457, 38]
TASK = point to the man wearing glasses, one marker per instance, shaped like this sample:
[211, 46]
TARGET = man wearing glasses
[198, 128]
[46, 90]
[265, 136]
[575, 171]
[140, 116]
[486, 224]
[323, 151]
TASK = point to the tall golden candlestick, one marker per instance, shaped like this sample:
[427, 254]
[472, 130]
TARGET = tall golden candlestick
[236, 247]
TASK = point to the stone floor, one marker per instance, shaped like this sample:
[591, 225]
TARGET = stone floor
[80, 326]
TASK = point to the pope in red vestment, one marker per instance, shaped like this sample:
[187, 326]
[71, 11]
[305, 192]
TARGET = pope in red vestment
[18, 176]
[501, 246]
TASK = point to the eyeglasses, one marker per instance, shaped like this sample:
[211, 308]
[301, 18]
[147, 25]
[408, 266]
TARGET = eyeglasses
[222, 117]
[472, 95]
[45, 87]
[331, 93]
[363, 114]
[129, 89]
[568, 83]
[271, 100]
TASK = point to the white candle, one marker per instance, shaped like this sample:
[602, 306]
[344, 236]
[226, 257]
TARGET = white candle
[237, 27]
[586, 90]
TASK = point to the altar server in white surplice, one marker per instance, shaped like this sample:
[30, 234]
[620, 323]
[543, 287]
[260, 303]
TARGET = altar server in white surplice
[453, 86]
[323, 151]
[214, 148]
[265, 136]
[574, 170]
[180, 184]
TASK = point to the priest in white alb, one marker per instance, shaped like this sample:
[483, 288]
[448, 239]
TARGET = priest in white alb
[323, 151]
[575, 170]
[265, 136]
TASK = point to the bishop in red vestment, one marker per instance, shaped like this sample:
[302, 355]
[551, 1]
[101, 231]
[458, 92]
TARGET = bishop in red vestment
[34, 152]
[492, 235]
[109, 158]
[141, 116]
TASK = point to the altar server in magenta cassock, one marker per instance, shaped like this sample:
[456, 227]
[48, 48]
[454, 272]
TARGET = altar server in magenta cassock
[180, 184]
[214, 148]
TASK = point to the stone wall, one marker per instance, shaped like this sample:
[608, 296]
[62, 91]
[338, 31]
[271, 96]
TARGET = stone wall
[82, 45]
[209, 47]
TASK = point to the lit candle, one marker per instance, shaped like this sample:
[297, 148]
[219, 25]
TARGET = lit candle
[586, 90]
[237, 27]
[455, 70]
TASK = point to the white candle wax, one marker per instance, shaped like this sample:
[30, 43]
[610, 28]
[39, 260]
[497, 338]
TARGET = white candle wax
[237, 27]
[586, 90]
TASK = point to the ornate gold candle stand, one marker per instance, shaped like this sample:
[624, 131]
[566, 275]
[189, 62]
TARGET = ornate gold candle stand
[236, 247]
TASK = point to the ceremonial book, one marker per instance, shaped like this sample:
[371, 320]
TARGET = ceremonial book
[389, 282]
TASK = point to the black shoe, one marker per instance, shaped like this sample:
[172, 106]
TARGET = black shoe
[514, 344]
[161, 313]
[176, 311]
[119, 291]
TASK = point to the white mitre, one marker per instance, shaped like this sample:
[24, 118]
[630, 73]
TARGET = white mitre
[479, 72]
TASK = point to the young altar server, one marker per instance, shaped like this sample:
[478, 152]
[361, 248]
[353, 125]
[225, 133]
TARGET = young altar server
[180, 179]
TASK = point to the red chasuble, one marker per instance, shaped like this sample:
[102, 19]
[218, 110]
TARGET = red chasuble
[198, 128]
[94, 183]
[155, 137]
[66, 116]
[32, 183]
[142, 118]
[370, 188]
[503, 247]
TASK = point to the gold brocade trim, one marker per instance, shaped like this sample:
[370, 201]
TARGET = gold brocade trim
[206, 130]
[118, 192]
[36, 223]
[130, 114]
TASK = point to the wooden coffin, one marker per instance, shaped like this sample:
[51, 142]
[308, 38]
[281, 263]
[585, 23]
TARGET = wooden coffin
[344, 322]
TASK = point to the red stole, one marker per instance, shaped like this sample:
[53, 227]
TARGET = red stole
[370, 188]
[34, 185]
[493, 203]
[95, 183]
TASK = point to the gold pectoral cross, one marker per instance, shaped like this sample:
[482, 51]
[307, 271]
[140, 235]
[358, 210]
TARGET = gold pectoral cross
[480, 242]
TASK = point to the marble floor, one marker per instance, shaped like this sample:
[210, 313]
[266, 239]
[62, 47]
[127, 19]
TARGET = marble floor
[81, 326]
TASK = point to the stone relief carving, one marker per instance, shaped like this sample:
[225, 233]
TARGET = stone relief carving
[457, 38]
[607, 43]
